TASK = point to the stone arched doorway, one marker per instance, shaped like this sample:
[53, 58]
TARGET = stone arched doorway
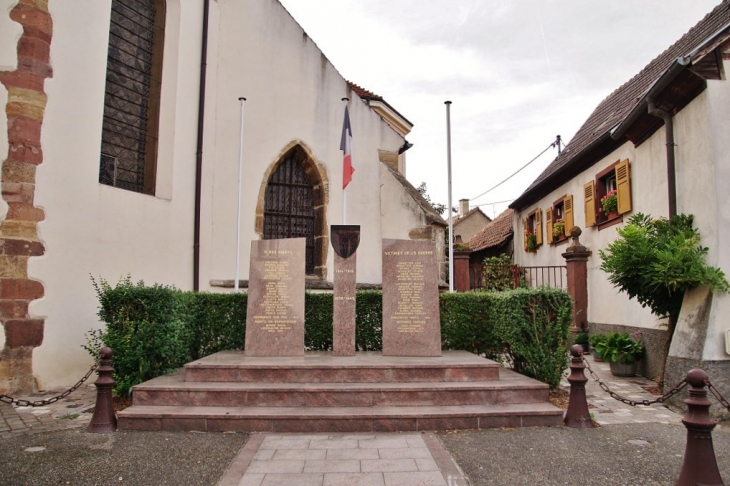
[292, 204]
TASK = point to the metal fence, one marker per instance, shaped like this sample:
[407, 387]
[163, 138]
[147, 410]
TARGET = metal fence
[503, 277]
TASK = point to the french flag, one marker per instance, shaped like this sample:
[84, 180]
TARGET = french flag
[346, 147]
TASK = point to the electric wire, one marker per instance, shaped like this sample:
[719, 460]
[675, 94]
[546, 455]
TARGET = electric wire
[552, 145]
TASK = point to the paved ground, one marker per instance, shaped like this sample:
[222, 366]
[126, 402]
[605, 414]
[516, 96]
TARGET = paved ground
[634, 445]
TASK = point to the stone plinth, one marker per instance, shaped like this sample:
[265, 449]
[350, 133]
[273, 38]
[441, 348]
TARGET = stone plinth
[411, 319]
[275, 314]
[343, 327]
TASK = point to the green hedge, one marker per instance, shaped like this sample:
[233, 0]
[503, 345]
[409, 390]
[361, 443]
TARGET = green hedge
[156, 330]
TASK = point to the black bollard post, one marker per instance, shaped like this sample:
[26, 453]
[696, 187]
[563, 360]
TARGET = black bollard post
[700, 464]
[577, 415]
[104, 420]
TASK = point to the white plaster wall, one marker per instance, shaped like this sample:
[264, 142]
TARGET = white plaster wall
[395, 203]
[696, 195]
[718, 95]
[92, 228]
[293, 94]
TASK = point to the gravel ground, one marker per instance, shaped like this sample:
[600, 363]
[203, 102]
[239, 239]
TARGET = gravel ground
[635, 454]
[134, 458]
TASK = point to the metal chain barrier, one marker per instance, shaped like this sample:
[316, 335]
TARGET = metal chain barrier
[679, 387]
[717, 395]
[48, 401]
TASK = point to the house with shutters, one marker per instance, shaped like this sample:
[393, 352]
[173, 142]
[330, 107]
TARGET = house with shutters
[119, 147]
[660, 144]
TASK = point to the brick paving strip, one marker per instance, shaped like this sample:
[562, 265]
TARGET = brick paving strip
[397, 459]
[72, 412]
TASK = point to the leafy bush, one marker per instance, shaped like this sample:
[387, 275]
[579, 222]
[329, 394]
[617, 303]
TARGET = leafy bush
[147, 328]
[500, 273]
[594, 339]
[620, 348]
[156, 330]
[581, 338]
[656, 260]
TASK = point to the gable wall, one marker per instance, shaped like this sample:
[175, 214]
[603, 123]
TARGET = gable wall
[293, 95]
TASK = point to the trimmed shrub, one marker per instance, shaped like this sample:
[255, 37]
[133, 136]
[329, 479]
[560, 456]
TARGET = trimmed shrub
[156, 330]
[147, 328]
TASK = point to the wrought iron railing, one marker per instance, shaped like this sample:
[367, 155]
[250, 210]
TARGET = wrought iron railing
[504, 277]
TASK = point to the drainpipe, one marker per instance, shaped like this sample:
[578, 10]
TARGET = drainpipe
[669, 132]
[199, 150]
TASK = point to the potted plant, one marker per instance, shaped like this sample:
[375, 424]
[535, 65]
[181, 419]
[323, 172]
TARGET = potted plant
[609, 204]
[582, 339]
[622, 352]
[559, 229]
[593, 341]
[530, 242]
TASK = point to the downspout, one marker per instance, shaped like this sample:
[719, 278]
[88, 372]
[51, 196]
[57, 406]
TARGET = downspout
[199, 150]
[669, 133]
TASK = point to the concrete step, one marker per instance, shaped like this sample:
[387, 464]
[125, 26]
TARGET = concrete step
[322, 367]
[174, 390]
[337, 419]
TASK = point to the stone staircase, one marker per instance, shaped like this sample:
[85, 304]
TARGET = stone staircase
[319, 392]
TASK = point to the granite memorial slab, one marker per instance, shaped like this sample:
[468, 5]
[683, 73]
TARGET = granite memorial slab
[345, 240]
[275, 312]
[411, 318]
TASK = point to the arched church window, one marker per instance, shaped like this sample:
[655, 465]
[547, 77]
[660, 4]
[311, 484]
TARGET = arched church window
[289, 205]
[132, 99]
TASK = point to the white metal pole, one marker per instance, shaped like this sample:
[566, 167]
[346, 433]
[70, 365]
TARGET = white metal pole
[344, 190]
[238, 212]
[451, 218]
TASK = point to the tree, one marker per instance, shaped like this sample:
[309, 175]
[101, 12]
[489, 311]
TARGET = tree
[655, 261]
[423, 191]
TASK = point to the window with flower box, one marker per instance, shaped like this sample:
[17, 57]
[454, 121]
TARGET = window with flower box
[609, 195]
[559, 219]
[532, 231]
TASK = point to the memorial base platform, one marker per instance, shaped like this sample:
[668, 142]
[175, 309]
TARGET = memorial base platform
[319, 392]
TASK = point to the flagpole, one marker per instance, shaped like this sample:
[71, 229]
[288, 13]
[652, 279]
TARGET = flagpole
[451, 218]
[238, 213]
[344, 189]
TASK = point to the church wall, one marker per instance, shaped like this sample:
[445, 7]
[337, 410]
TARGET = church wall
[91, 228]
[293, 96]
[256, 50]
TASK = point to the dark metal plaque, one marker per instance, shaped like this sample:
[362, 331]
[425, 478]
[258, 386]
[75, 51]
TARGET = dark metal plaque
[345, 238]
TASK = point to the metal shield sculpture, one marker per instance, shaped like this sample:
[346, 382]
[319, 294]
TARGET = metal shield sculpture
[345, 239]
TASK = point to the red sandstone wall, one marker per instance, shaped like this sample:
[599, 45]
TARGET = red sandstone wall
[18, 231]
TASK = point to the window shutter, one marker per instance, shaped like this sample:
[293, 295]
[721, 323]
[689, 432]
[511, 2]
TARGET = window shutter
[549, 224]
[538, 226]
[525, 227]
[589, 191]
[623, 186]
[568, 208]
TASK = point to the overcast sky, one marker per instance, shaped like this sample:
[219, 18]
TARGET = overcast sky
[519, 72]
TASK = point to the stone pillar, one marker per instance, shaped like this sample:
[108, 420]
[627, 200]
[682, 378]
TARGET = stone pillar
[461, 270]
[19, 239]
[576, 258]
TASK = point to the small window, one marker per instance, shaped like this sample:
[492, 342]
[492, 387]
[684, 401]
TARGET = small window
[609, 196]
[559, 219]
[533, 230]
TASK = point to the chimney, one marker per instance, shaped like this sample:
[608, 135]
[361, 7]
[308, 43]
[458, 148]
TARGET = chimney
[463, 206]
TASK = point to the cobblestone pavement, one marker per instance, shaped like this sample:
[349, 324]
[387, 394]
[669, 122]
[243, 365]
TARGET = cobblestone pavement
[72, 412]
[608, 411]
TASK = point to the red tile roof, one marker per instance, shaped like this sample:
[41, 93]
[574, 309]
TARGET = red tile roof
[494, 233]
[619, 104]
[364, 93]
